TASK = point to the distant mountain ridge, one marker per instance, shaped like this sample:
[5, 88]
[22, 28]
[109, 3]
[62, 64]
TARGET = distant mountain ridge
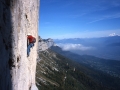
[45, 44]
[104, 47]
[64, 70]
[101, 64]
[113, 38]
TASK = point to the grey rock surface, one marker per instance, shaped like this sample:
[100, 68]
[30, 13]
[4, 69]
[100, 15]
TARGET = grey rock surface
[44, 44]
[17, 19]
[33, 87]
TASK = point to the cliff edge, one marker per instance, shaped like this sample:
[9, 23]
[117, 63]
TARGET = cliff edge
[44, 44]
[17, 19]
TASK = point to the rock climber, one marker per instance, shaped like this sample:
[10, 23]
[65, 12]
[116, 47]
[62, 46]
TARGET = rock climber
[30, 43]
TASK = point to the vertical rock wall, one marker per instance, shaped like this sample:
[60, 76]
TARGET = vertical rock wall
[24, 21]
[17, 19]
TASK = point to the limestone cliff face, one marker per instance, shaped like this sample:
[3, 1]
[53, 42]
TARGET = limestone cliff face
[17, 19]
[44, 44]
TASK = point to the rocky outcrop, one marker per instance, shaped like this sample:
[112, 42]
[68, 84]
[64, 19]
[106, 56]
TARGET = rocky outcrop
[44, 44]
[17, 19]
[49, 42]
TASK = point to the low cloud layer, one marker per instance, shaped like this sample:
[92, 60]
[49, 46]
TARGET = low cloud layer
[113, 34]
[70, 46]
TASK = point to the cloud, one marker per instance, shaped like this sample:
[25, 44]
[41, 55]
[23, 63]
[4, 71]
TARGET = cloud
[70, 46]
[113, 34]
[117, 15]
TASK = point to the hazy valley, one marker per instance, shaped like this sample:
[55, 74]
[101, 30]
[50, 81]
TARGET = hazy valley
[103, 47]
[58, 69]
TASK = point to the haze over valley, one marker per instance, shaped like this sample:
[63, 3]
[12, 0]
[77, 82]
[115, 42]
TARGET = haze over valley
[103, 47]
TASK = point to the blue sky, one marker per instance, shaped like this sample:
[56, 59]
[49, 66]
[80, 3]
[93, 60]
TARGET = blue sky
[79, 18]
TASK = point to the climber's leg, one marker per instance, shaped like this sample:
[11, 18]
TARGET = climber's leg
[28, 49]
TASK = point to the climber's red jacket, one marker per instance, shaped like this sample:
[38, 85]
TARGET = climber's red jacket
[31, 38]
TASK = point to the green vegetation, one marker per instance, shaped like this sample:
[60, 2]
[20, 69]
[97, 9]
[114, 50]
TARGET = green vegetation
[56, 72]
